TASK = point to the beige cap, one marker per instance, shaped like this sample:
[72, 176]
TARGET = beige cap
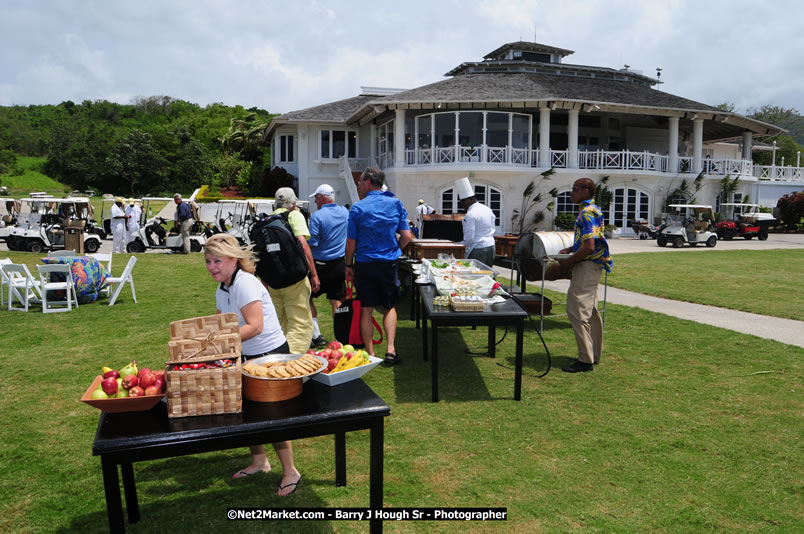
[120, 199]
[285, 195]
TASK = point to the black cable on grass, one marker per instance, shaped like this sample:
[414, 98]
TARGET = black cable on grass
[546, 350]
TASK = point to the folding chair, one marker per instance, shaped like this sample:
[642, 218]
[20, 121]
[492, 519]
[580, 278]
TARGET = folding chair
[106, 259]
[21, 286]
[62, 253]
[3, 279]
[47, 284]
[120, 281]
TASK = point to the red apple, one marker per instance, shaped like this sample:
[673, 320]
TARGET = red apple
[136, 391]
[159, 383]
[349, 355]
[152, 390]
[146, 379]
[331, 364]
[109, 386]
[130, 381]
[311, 351]
[326, 353]
[335, 345]
[144, 370]
[114, 374]
[158, 374]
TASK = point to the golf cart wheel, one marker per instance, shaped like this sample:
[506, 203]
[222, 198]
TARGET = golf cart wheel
[34, 245]
[195, 246]
[135, 247]
[711, 242]
[763, 235]
[678, 241]
[728, 235]
[748, 237]
[661, 241]
[91, 246]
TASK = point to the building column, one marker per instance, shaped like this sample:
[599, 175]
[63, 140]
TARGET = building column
[399, 138]
[672, 145]
[373, 144]
[572, 139]
[747, 142]
[303, 157]
[544, 137]
[697, 145]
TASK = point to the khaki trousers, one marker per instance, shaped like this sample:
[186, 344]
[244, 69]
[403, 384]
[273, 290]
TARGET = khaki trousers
[292, 306]
[184, 227]
[582, 310]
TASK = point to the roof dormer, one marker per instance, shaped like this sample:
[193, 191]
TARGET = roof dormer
[526, 51]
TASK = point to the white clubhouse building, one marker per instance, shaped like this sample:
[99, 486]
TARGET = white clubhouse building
[517, 113]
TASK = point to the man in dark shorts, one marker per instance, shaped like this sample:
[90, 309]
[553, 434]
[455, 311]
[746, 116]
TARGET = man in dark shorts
[328, 245]
[372, 250]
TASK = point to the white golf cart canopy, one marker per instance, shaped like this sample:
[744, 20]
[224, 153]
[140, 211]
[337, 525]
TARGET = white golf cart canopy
[690, 206]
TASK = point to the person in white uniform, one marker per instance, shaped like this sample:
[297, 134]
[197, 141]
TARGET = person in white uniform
[478, 225]
[134, 212]
[242, 293]
[119, 232]
[421, 210]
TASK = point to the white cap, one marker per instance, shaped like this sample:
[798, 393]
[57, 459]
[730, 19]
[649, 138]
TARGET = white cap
[324, 189]
[463, 188]
[384, 188]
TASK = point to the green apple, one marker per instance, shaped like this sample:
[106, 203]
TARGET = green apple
[99, 394]
[348, 348]
[122, 393]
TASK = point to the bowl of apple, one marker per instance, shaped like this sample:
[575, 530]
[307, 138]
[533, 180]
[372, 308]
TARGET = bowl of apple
[113, 394]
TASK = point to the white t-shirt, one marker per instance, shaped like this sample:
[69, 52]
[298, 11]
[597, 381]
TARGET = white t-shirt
[245, 289]
[117, 211]
[478, 227]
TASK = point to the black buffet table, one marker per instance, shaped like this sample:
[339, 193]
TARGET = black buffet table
[507, 313]
[124, 438]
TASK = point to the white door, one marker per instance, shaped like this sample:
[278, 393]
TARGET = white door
[628, 203]
[485, 194]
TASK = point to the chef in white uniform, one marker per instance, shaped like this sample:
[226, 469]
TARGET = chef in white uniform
[478, 224]
[119, 232]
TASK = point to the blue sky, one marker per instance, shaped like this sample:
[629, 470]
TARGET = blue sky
[282, 56]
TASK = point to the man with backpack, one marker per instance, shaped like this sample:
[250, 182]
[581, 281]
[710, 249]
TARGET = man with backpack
[284, 266]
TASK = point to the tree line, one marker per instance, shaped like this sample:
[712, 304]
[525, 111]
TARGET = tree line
[154, 146]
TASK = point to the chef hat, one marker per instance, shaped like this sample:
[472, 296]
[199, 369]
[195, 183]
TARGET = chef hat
[464, 188]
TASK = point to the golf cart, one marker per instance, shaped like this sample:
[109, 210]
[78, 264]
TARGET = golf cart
[9, 209]
[155, 234]
[234, 217]
[744, 220]
[689, 223]
[43, 223]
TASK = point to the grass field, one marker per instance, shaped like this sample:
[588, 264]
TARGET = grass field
[767, 282]
[682, 428]
[31, 179]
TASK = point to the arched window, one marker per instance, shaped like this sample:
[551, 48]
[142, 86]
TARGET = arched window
[485, 194]
[564, 203]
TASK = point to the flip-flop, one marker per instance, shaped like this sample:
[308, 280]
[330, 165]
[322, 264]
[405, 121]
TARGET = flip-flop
[243, 473]
[391, 359]
[295, 487]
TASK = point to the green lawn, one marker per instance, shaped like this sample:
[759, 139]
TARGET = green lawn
[682, 428]
[769, 282]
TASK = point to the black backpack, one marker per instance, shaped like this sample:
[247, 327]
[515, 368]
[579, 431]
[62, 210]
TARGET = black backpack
[282, 262]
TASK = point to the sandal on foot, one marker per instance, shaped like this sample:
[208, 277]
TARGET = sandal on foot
[295, 487]
[243, 473]
[391, 359]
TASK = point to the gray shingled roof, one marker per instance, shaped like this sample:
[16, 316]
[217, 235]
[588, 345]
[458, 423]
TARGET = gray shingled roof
[528, 46]
[337, 111]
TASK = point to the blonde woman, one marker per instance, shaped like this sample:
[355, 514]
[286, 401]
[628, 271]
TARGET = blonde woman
[241, 293]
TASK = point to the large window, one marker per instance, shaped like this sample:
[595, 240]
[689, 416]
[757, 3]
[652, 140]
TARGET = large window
[564, 203]
[485, 194]
[337, 143]
[628, 204]
[286, 154]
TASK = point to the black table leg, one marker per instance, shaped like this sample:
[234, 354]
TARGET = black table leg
[435, 363]
[492, 341]
[424, 336]
[111, 487]
[377, 438]
[130, 489]
[417, 300]
[518, 374]
[340, 459]
[412, 289]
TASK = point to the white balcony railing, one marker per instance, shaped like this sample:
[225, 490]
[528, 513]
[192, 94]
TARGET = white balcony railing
[603, 160]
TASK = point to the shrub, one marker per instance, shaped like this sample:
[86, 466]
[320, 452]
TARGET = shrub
[791, 209]
[565, 221]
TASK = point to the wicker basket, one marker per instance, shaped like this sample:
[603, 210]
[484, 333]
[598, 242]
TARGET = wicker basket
[204, 391]
[463, 306]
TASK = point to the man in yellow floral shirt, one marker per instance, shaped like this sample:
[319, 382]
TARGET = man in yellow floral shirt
[590, 255]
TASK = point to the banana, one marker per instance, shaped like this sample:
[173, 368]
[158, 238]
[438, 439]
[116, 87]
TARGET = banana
[105, 370]
[341, 365]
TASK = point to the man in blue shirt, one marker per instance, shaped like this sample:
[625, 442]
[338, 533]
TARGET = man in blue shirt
[184, 220]
[372, 249]
[328, 245]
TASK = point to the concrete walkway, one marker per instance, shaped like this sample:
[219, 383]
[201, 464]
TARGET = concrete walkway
[786, 331]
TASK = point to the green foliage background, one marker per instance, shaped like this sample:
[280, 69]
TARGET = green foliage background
[156, 145]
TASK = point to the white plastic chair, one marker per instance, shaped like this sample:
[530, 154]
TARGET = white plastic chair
[106, 259]
[46, 284]
[3, 279]
[62, 253]
[21, 286]
[120, 281]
